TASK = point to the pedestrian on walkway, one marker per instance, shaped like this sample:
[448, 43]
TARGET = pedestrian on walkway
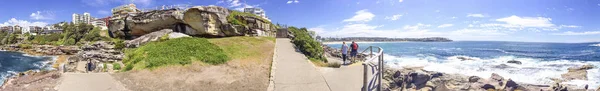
[344, 52]
[354, 50]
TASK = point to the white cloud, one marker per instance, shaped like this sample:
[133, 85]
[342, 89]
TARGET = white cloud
[418, 26]
[437, 11]
[361, 16]
[293, 1]
[578, 33]
[42, 15]
[400, 0]
[23, 23]
[393, 17]
[598, 4]
[475, 15]
[234, 3]
[569, 26]
[445, 25]
[527, 21]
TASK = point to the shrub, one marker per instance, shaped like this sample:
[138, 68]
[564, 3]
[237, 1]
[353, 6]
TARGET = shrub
[116, 66]
[307, 45]
[119, 44]
[24, 46]
[104, 67]
[174, 51]
[334, 64]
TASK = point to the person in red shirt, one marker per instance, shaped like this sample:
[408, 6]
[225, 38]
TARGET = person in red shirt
[354, 51]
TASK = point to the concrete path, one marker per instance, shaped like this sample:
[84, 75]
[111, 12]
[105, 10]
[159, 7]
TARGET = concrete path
[294, 72]
[89, 82]
[346, 78]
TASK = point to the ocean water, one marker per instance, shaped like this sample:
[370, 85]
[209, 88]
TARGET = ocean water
[540, 61]
[15, 62]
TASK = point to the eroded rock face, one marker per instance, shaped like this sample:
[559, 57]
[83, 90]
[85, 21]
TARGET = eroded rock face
[205, 21]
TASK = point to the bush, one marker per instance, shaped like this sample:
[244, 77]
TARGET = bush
[104, 67]
[24, 46]
[334, 64]
[307, 45]
[179, 51]
[116, 66]
[119, 44]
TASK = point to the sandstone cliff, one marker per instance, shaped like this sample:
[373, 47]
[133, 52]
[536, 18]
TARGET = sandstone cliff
[202, 21]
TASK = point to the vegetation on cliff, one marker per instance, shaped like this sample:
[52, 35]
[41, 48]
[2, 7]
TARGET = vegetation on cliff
[174, 51]
[232, 18]
[307, 44]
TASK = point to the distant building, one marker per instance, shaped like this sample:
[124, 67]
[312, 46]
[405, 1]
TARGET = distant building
[99, 23]
[7, 29]
[124, 9]
[17, 28]
[257, 11]
[85, 18]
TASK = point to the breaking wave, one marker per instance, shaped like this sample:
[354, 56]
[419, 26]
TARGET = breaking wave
[531, 71]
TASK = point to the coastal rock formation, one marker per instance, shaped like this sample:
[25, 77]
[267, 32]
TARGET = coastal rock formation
[154, 36]
[414, 79]
[44, 49]
[32, 81]
[577, 73]
[205, 21]
[514, 62]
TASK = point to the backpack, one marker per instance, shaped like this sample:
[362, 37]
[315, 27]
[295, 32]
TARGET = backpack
[354, 46]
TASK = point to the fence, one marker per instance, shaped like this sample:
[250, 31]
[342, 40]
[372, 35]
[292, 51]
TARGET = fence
[374, 62]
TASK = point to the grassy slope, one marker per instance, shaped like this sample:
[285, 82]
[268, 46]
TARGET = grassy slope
[248, 70]
[174, 51]
[244, 48]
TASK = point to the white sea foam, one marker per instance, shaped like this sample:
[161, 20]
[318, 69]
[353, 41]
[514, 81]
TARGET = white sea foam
[598, 45]
[531, 71]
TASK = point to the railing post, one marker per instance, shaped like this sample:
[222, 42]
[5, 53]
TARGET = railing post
[365, 86]
[381, 71]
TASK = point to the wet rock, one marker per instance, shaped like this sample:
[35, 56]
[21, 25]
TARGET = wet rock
[463, 58]
[419, 78]
[514, 62]
[577, 73]
[558, 87]
[502, 66]
[474, 78]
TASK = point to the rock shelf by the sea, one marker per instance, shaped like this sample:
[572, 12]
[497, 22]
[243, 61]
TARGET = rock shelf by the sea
[417, 79]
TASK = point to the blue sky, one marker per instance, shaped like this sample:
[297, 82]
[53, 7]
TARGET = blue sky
[487, 20]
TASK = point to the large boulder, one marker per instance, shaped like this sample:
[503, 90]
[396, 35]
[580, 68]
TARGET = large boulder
[154, 36]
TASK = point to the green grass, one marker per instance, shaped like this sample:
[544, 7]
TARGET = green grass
[116, 66]
[241, 47]
[178, 51]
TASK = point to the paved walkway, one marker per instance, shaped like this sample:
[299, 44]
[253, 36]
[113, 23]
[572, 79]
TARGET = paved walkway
[89, 82]
[293, 72]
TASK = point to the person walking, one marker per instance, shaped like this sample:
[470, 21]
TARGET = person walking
[354, 51]
[344, 52]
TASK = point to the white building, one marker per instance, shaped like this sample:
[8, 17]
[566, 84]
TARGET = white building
[99, 23]
[257, 11]
[85, 18]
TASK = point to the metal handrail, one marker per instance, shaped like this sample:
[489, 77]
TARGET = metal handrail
[376, 69]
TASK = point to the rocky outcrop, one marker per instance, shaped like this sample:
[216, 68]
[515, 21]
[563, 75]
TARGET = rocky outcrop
[577, 73]
[410, 79]
[205, 21]
[32, 81]
[44, 49]
[514, 62]
[154, 36]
